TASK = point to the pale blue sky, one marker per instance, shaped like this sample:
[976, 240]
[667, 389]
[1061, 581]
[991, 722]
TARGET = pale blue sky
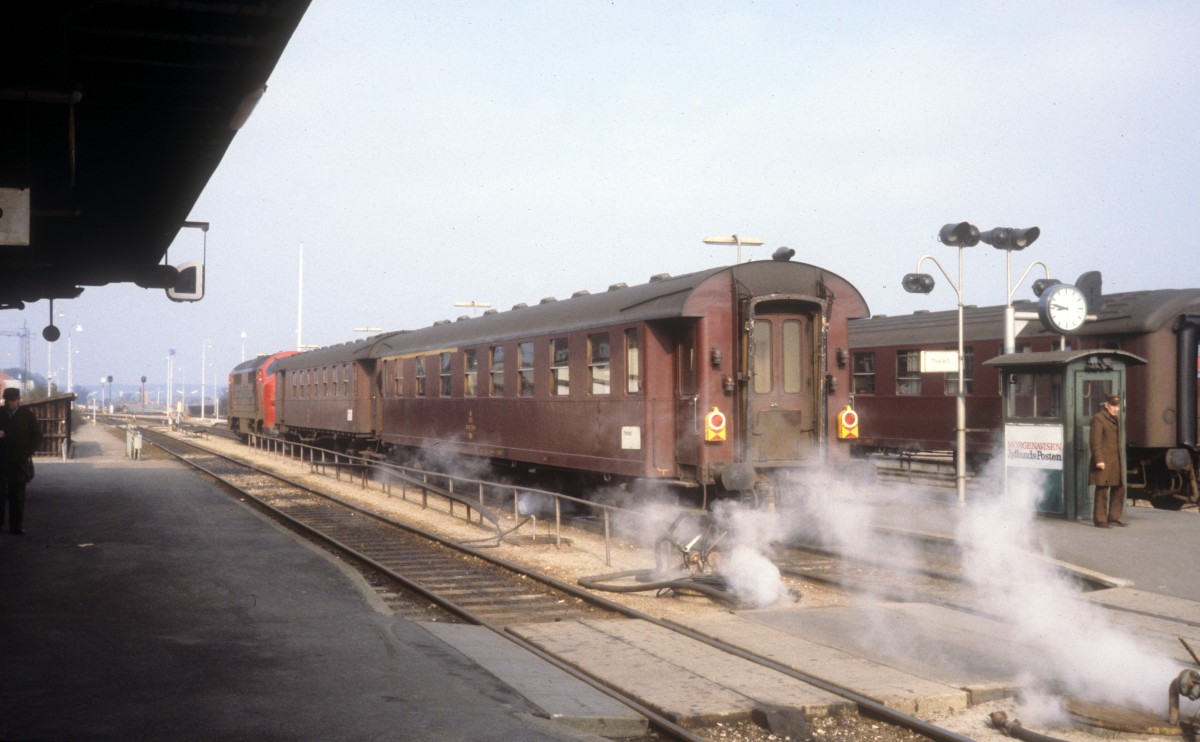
[432, 152]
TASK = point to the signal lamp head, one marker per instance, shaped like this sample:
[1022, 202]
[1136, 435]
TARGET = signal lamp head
[918, 283]
[1007, 238]
[962, 234]
[1042, 284]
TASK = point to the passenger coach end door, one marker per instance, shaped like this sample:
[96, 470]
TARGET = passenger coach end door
[784, 392]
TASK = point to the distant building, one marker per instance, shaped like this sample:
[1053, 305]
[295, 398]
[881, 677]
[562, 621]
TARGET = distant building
[6, 381]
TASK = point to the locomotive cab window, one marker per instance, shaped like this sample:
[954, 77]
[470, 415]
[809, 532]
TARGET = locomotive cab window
[560, 367]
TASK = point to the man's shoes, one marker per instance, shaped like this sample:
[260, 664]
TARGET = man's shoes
[1102, 525]
[17, 532]
[1120, 523]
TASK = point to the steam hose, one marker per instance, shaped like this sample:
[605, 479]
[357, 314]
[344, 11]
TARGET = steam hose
[712, 586]
[1013, 728]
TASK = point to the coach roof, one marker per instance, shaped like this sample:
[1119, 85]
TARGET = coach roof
[662, 298]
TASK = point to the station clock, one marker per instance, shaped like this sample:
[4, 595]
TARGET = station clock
[1062, 308]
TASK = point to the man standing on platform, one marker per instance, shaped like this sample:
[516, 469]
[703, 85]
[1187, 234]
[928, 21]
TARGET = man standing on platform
[20, 434]
[1107, 471]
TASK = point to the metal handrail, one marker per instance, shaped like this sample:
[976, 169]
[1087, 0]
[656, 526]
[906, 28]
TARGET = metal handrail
[452, 489]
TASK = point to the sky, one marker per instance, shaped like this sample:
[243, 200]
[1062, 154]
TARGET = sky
[423, 153]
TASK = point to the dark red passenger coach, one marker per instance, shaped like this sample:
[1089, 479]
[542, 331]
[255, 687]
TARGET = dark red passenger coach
[724, 380]
[902, 410]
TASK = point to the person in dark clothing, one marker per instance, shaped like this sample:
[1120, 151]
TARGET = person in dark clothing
[20, 434]
[1107, 471]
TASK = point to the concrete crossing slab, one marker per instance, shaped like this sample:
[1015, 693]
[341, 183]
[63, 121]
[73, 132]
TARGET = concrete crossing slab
[939, 644]
[561, 696]
[687, 682]
[894, 688]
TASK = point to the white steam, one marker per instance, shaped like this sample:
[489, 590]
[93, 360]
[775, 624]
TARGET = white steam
[1062, 641]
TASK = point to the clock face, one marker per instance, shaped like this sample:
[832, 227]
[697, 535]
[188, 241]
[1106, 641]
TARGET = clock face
[1063, 308]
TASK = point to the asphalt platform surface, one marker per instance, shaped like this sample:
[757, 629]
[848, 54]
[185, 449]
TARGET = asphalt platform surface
[144, 603]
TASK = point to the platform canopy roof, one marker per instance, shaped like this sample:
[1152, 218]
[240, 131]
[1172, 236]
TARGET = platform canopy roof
[114, 114]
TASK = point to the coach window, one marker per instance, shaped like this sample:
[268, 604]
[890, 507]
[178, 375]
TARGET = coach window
[968, 374]
[864, 373]
[470, 373]
[420, 376]
[761, 338]
[560, 367]
[599, 363]
[398, 377]
[633, 362]
[794, 375]
[445, 366]
[908, 372]
[497, 373]
[525, 358]
[686, 358]
[346, 380]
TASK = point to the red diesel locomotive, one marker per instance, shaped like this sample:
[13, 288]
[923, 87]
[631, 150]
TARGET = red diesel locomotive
[252, 395]
[725, 380]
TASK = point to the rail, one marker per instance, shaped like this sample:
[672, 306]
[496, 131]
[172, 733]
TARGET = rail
[474, 494]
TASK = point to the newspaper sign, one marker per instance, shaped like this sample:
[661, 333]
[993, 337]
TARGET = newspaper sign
[1033, 462]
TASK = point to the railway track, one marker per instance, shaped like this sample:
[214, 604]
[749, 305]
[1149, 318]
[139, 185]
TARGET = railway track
[473, 586]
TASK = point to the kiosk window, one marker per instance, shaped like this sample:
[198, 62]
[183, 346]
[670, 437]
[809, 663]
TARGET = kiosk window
[1035, 395]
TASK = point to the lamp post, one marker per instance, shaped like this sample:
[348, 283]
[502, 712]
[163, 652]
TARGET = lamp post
[960, 235]
[1008, 240]
[71, 357]
[203, 350]
[734, 240]
[243, 345]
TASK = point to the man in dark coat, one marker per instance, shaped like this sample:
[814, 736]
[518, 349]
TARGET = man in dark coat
[20, 434]
[1107, 469]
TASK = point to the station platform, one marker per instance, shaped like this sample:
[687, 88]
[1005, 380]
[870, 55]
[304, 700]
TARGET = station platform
[145, 603]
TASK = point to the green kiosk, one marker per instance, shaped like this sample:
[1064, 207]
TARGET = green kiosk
[1048, 400]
